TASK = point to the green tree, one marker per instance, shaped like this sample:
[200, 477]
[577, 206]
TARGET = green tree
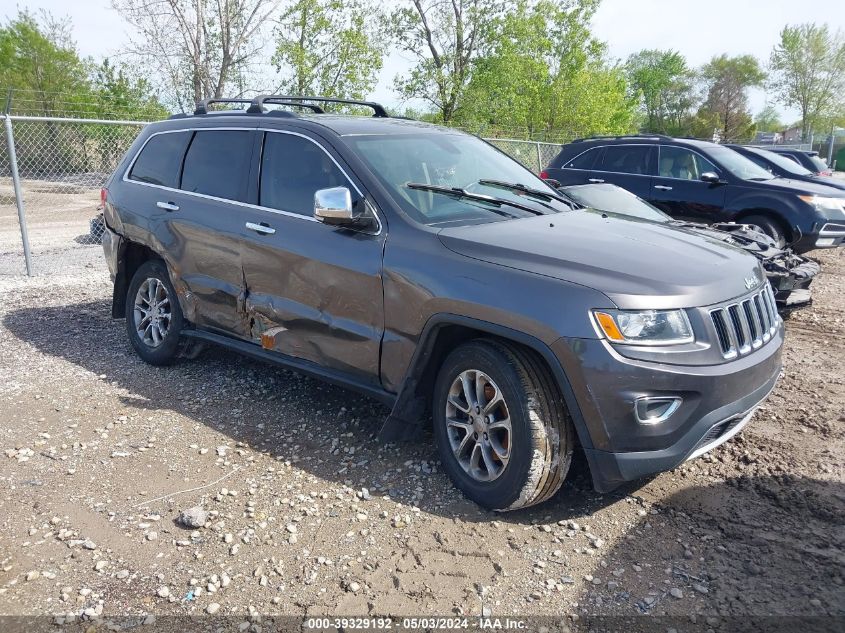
[329, 47]
[39, 62]
[196, 49]
[725, 109]
[807, 72]
[444, 38]
[544, 76]
[118, 92]
[664, 86]
[768, 120]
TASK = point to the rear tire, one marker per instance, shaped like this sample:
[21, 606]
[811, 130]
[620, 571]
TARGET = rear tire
[154, 320]
[497, 464]
[768, 226]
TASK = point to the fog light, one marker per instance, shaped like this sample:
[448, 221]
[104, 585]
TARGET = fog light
[654, 410]
[825, 241]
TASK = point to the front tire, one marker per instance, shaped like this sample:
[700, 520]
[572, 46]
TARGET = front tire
[154, 320]
[768, 226]
[502, 429]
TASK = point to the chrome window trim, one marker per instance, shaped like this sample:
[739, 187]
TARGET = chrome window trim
[604, 171]
[309, 218]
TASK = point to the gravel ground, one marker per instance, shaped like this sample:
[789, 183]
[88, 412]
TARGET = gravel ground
[295, 508]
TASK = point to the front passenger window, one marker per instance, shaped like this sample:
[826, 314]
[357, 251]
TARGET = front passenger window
[292, 170]
[683, 164]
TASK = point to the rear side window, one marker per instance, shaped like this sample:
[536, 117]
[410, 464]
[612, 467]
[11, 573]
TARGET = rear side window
[217, 164]
[292, 170]
[161, 159]
[585, 160]
[626, 159]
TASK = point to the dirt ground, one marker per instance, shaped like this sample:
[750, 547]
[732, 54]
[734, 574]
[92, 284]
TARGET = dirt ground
[309, 514]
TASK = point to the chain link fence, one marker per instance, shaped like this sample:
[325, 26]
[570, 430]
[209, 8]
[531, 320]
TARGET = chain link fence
[63, 162]
[61, 166]
[535, 155]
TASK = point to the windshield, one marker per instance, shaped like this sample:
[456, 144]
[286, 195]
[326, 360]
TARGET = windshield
[452, 161]
[787, 164]
[614, 199]
[739, 165]
[819, 163]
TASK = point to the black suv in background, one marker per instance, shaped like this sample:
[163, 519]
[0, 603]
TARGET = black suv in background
[783, 166]
[701, 181]
[806, 158]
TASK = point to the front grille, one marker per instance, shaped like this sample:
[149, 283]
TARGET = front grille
[746, 324]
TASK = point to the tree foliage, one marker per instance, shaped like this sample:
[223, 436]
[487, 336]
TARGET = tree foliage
[663, 84]
[768, 120]
[807, 71]
[38, 59]
[198, 48]
[725, 108]
[39, 63]
[444, 38]
[544, 76]
[329, 47]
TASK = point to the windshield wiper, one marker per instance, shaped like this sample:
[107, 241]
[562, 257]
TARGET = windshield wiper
[457, 192]
[528, 191]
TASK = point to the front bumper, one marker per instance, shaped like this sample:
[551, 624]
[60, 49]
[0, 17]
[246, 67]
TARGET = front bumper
[831, 235]
[717, 401]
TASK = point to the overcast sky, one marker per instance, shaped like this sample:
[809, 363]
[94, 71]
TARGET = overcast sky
[697, 28]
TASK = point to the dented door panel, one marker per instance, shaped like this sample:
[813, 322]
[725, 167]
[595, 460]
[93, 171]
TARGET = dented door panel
[314, 292]
[203, 238]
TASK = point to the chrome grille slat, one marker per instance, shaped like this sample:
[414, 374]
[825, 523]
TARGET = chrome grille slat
[745, 324]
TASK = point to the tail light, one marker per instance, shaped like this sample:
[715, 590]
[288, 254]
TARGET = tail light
[103, 194]
[544, 174]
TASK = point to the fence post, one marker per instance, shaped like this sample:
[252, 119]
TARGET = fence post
[16, 181]
[539, 159]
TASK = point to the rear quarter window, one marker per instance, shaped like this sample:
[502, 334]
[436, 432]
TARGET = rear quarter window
[583, 161]
[160, 159]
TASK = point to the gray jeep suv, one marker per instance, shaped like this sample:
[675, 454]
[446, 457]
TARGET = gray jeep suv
[423, 267]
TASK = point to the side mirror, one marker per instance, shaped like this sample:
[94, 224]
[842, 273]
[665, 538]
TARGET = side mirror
[710, 176]
[334, 206]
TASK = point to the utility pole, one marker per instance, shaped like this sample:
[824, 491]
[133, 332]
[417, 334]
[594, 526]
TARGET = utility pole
[830, 147]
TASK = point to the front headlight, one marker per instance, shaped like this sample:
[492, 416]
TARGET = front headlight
[824, 203]
[645, 327]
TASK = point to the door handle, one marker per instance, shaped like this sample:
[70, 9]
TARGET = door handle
[594, 180]
[663, 187]
[260, 228]
[167, 206]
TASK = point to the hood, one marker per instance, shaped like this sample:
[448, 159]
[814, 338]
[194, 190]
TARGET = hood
[636, 263]
[829, 181]
[813, 186]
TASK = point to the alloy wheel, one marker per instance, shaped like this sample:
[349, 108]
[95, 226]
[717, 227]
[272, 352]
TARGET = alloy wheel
[478, 425]
[152, 312]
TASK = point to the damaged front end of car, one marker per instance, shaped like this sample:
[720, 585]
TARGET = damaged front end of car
[789, 273]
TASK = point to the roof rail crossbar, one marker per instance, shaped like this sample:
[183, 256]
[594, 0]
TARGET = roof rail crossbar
[288, 102]
[202, 106]
[257, 105]
[613, 138]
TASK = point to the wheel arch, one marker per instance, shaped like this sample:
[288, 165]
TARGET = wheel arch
[131, 256]
[441, 334]
[791, 233]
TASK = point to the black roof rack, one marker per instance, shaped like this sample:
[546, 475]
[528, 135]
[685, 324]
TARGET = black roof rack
[257, 104]
[202, 106]
[614, 138]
